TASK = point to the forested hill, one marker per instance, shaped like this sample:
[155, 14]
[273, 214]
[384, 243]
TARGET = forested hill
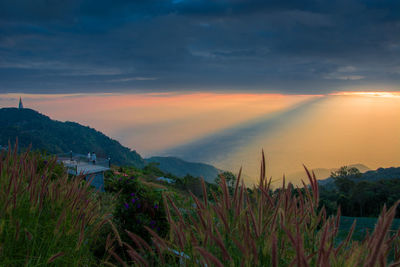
[361, 194]
[370, 176]
[181, 168]
[43, 133]
[382, 173]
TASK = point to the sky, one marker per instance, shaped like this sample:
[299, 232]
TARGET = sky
[274, 46]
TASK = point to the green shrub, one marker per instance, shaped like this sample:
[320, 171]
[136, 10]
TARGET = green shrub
[137, 206]
[44, 216]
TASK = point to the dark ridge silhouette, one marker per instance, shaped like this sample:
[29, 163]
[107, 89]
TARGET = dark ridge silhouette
[43, 133]
[181, 168]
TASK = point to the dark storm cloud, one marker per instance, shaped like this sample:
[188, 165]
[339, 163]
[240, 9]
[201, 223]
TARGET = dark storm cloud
[311, 46]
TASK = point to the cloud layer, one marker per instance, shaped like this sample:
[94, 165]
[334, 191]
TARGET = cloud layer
[289, 46]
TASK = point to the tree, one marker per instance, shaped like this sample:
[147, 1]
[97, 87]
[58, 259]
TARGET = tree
[346, 172]
[230, 179]
[343, 178]
[152, 168]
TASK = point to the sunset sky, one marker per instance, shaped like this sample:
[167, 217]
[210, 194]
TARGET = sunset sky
[313, 81]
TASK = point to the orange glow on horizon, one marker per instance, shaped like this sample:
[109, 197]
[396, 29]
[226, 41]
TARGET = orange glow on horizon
[371, 94]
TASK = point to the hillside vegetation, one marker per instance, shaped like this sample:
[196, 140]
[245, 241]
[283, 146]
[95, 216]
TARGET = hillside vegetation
[45, 217]
[53, 136]
[360, 194]
[258, 227]
[181, 168]
[366, 175]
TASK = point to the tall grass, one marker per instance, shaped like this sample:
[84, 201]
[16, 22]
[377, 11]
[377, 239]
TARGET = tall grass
[45, 218]
[260, 228]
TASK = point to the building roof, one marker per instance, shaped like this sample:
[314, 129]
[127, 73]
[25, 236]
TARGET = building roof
[79, 163]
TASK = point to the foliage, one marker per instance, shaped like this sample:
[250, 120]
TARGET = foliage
[343, 178]
[370, 176]
[361, 195]
[229, 177]
[346, 172]
[190, 184]
[45, 217]
[138, 206]
[361, 199]
[181, 168]
[152, 168]
[381, 173]
[261, 228]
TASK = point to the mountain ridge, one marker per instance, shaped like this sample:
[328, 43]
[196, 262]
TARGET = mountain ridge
[44, 133]
[180, 167]
[371, 175]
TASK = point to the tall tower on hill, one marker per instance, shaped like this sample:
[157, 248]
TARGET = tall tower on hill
[20, 106]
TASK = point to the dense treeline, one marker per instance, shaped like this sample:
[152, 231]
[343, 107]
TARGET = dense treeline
[361, 195]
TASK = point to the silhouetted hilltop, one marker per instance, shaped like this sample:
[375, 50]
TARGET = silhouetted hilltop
[381, 173]
[323, 173]
[43, 133]
[181, 167]
[371, 175]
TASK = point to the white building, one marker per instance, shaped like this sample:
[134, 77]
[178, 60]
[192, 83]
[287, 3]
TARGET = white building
[78, 164]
